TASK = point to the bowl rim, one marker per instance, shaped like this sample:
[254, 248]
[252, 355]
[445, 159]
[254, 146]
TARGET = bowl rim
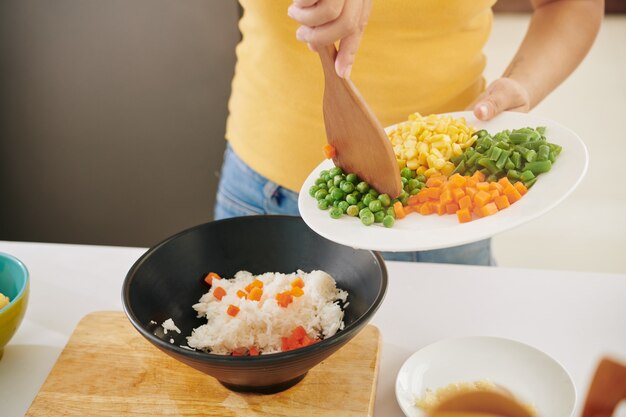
[22, 290]
[202, 356]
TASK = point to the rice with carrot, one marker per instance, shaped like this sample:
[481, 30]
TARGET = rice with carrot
[268, 313]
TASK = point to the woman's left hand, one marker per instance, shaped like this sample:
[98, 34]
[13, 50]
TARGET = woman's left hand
[504, 94]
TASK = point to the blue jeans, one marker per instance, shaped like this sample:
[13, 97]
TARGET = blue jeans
[244, 192]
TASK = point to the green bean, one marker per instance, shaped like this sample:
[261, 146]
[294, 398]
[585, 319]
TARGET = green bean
[530, 183]
[495, 153]
[502, 159]
[526, 176]
[538, 167]
[513, 175]
[489, 165]
[516, 158]
[543, 154]
[509, 164]
[460, 168]
[530, 155]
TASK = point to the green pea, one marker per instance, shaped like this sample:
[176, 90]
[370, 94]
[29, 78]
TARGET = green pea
[362, 187]
[388, 221]
[406, 173]
[322, 204]
[330, 190]
[336, 212]
[375, 206]
[335, 171]
[379, 216]
[404, 181]
[337, 180]
[404, 197]
[337, 194]
[329, 199]
[352, 211]
[320, 181]
[313, 190]
[413, 184]
[343, 205]
[330, 183]
[320, 194]
[367, 217]
[327, 177]
[413, 174]
[352, 199]
[414, 191]
[367, 199]
[323, 173]
[360, 205]
[391, 212]
[352, 178]
[335, 203]
[323, 186]
[373, 192]
[385, 200]
[421, 178]
[347, 187]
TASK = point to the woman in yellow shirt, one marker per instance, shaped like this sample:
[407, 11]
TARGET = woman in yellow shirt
[413, 55]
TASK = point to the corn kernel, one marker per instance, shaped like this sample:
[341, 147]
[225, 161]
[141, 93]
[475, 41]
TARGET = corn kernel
[412, 164]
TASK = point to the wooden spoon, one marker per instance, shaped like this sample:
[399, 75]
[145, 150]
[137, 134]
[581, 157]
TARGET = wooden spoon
[361, 144]
[607, 389]
[480, 404]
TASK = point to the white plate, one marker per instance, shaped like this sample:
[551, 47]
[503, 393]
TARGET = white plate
[530, 375]
[417, 232]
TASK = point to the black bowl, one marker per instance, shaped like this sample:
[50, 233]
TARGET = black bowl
[168, 279]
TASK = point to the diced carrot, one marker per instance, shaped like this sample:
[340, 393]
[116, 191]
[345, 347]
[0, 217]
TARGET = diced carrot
[481, 198]
[482, 186]
[411, 209]
[488, 209]
[297, 292]
[496, 186]
[284, 299]
[432, 193]
[329, 151]
[284, 341]
[254, 284]
[255, 294]
[471, 182]
[464, 215]
[399, 210]
[446, 197]
[210, 277]
[441, 209]
[412, 201]
[494, 194]
[253, 351]
[457, 194]
[512, 194]
[297, 283]
[471, 192]
[519, 186]
[425, 209]
[241, 294]
[452, 208]
[457, 180]
[465, 202]
[435, 181]
[306, 341]
[504, 182]
[479, 176]
[476, 211]
[502, 202]
[298, 333]
[219, 292]
[232, 310]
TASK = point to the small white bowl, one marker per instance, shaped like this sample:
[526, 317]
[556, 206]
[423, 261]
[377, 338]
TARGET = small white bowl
[531, 375]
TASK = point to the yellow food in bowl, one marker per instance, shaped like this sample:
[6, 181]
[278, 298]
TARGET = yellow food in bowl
[4, 300]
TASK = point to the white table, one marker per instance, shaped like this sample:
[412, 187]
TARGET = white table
[575, 317]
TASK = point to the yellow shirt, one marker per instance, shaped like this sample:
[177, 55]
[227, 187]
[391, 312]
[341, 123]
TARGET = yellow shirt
[415, 55]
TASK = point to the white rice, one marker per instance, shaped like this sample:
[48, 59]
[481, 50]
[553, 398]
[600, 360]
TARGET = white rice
[168, 325]
[263, 323]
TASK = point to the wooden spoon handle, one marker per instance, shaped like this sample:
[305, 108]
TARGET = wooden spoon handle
[328, 54]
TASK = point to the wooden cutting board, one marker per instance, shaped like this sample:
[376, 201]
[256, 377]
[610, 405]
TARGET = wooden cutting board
[108, 369]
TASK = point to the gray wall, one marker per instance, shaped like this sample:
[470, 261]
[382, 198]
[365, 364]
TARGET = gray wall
[112, 116]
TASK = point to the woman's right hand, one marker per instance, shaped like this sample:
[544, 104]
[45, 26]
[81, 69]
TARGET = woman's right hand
[328, 21]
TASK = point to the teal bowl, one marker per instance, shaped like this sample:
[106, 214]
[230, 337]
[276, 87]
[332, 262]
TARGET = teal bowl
[14, 283]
